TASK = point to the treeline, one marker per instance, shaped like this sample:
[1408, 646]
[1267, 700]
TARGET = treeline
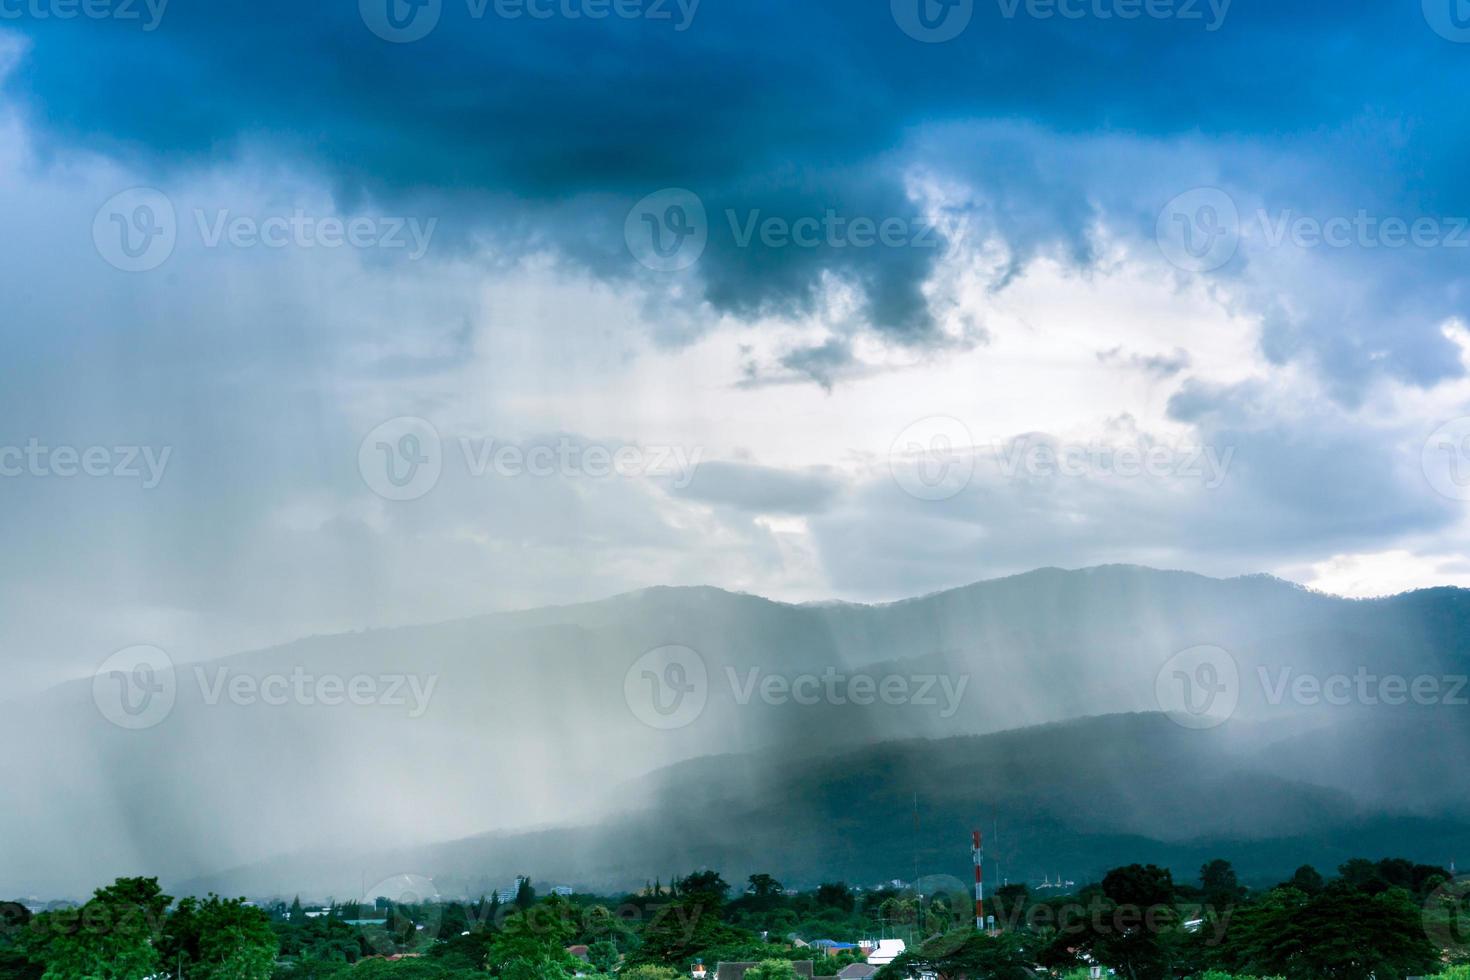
[1381, 920]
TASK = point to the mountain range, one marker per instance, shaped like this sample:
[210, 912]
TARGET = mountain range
[1045, 719]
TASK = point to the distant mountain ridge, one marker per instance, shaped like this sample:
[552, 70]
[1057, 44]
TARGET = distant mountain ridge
[530, 722]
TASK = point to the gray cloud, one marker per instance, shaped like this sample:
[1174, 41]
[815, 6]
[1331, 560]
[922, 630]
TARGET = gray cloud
[764, 489]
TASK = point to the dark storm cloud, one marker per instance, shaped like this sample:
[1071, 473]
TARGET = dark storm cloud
[540, 132]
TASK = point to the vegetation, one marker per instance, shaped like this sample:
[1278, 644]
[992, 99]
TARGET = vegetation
[1371, 921]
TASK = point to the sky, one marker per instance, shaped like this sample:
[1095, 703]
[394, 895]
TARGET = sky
[329, 316]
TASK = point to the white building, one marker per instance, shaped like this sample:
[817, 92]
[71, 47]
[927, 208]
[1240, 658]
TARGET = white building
[886, 952]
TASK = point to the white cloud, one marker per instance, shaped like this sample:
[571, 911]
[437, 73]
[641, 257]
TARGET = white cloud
[1364, 576]
[264, 369]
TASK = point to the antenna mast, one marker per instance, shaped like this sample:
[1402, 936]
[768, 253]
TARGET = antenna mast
[978, 852]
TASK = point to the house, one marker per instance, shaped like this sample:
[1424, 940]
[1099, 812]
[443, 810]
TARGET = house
[886, 952]
[736, 971]
[832, 947]
[579, 951]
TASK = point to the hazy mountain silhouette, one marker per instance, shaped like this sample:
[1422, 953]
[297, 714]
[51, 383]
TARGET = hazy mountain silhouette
[529, 722]
[1070, 799]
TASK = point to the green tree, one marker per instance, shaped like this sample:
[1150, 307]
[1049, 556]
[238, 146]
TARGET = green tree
[1342, 934]
[1142, 886]
[219, 939]
[648, 972]
[1011, 902]
[1362, 875]
[939, 917]
[967, 955]
[764, 891]
[603, 955]
[535, 936]
[681, 930]
[114, 936]
[706, 887]
[1220, 886]
[1307, 880]
[771, 970]
[836, 895]
[525, 894]
[538, 968]
[1132, 927]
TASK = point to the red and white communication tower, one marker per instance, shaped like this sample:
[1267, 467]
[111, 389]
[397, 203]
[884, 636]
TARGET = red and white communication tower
[978, 850]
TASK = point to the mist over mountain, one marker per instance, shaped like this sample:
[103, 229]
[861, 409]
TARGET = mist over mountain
[538, 719]
[1062, 801]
